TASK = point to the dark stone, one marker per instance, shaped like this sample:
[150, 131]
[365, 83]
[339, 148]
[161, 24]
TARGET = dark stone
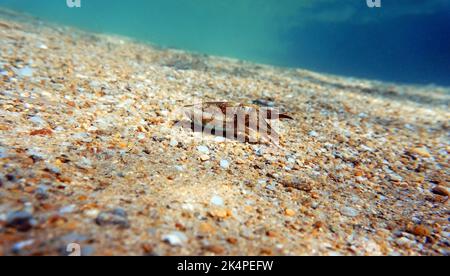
[264, 102]
[20, 220]
[11, 177]
[117, 217]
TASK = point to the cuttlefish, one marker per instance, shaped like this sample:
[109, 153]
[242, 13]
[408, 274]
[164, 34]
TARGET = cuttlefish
[244, 122]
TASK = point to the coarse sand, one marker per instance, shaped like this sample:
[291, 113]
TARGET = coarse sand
[90, 155]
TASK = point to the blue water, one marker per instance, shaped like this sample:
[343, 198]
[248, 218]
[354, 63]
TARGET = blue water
[404, 41]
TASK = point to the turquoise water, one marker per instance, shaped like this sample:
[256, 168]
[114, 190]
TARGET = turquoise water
[403, 41]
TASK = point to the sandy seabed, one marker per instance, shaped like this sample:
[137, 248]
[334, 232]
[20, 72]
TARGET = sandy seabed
[89, 155]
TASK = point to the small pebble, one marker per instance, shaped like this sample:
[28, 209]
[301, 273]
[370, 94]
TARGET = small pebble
[141, 136]
[18, 247]
[220, 213]
[38, 121]
[203, 149]
[117, 217]
[225, 164]
[395, 177]
[271, 187]
[92, 213]
[3, 153]
[349, 212]
[259, 151]
[175, 238]
[42, 132]
[289, 212]
[188, 207]
[232, 240]
[421, 231]
[36, 155]
[42, 192]
[217, 200]
[204, 157]
[84, 163]
[439, 190]
[403, 242]
[179, 168]
[216, 249]
[67, 209]
[262, 182]
[53, 169]
[423, 152]
[313, 134]
[363, 115]
[366, 148]
[28, 207]
[25, 72]
[82, 136]
[206, 228]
